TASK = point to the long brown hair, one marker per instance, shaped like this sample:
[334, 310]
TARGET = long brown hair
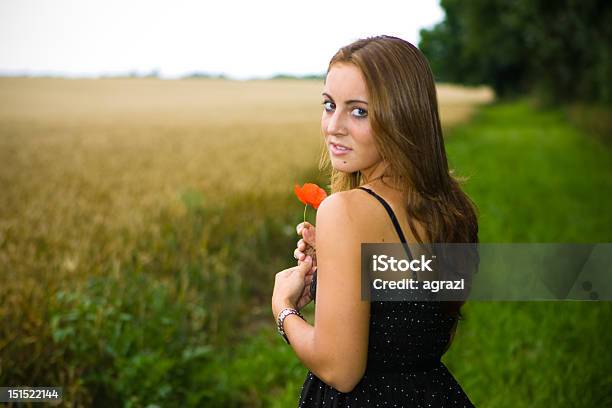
[408, 135]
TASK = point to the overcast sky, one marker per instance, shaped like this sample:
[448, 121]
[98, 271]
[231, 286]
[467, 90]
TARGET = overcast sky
[241, 39]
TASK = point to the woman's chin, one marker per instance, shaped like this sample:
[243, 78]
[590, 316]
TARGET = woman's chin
[342, 166]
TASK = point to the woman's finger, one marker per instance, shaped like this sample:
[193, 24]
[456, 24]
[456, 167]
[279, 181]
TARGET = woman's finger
[302, 225]
[309, 236]
[305, 293]
[299, 255]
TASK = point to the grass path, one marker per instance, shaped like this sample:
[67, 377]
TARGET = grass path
[535, 178]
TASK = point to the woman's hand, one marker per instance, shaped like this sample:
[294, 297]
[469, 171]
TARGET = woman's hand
[290, 285]
[289, 290]
[306, 246]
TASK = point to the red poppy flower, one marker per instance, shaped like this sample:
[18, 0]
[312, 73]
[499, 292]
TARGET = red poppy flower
[311, 194]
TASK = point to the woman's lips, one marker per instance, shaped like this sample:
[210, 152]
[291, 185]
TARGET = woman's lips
[338, 150]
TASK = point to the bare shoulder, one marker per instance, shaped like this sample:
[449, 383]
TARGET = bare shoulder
[357, 213]
[346, 211]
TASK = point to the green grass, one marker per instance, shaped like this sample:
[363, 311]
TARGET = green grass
[534, 354]
[534, 178]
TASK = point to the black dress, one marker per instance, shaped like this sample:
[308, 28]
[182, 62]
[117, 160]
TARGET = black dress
[406, 341]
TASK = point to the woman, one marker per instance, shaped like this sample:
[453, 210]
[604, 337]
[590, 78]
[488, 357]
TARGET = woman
[390, 182]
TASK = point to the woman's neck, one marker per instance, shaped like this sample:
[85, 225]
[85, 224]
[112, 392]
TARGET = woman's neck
[379, 176]
[378, 171]
[384, 182]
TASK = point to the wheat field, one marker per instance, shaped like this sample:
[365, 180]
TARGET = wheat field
[82, 156]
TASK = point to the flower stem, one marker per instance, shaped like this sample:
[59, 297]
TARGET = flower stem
[305, 207]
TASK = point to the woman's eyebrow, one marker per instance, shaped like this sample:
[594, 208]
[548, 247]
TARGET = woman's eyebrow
[347, 102]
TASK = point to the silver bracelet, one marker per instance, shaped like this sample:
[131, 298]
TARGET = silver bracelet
[281, 320]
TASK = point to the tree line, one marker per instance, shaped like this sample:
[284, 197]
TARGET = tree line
[560, 50]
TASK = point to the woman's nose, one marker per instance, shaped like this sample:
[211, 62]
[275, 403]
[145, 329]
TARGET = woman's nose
[335, 124]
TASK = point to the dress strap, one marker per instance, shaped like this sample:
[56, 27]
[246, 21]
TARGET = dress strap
[396, 225]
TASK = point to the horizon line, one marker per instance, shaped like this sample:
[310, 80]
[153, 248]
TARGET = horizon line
[155, 73]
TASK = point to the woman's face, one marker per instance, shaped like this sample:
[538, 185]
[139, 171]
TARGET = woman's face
[345, 121]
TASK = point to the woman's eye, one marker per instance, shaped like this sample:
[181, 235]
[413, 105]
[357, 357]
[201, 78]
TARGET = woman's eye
[361, 113]
[327, 105]
[357, 112]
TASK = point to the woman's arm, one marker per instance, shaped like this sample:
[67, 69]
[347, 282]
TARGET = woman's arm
[335, 348]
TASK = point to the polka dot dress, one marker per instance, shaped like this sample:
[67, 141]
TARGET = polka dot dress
[406, 341]
[403, 368]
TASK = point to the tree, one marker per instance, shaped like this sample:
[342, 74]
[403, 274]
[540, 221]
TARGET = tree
[558, 49]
